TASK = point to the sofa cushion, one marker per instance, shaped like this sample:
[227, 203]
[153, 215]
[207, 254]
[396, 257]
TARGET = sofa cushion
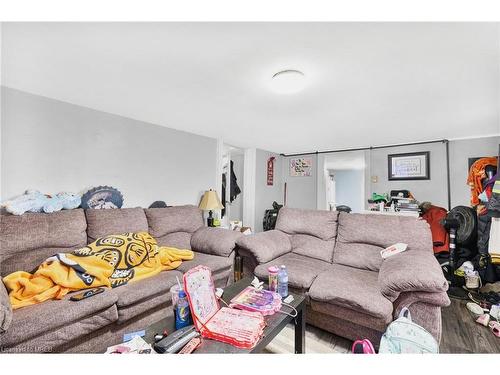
[265, 246]
[78, 330]
[384, 230]
[142, 290]
[317, 223]
[162, 221]
[352, 288]
[313, 247]
[362, 236]
[301, 270]
[137, 297]
[49, 316]
[102, 223]
[179, 240]
[215, 241]
[5, 308]
[358, 255]
[218, 265]
[351, 315]
[27, 240]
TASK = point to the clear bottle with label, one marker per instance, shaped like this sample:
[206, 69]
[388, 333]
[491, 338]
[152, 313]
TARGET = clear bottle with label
[283, 282]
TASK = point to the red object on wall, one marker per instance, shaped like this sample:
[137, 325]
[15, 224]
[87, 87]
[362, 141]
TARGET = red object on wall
[270, 171]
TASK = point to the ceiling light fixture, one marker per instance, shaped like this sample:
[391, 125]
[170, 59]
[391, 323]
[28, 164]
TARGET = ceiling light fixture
[288, 81]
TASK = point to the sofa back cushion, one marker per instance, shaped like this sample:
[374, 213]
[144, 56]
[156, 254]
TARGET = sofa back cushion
[102, 223]
[27, 240]
[173, 226]
[361, 237]
[312, 232]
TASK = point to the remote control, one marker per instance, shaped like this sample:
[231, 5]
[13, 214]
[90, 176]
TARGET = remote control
[176, 340]
[86, 294]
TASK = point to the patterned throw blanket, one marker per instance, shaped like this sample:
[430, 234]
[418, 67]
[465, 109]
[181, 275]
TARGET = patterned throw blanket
[109, 261]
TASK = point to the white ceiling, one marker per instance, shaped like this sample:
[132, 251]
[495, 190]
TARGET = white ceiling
[367, 83]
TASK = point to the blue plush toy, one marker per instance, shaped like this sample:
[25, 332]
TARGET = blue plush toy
[34, 201]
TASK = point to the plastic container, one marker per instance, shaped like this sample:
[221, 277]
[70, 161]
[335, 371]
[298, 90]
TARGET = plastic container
[174, 292]
[283, 282]
[273, 278]
[182, 312]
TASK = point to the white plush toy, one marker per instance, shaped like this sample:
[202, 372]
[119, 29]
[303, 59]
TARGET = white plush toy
[34, 201]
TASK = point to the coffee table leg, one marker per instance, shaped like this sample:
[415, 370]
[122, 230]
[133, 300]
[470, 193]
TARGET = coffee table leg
[300, 332]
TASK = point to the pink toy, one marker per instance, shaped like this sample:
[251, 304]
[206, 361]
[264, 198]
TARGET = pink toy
[263, 301]
[242, 329]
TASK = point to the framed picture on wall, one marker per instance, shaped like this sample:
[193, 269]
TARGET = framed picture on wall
[300, 167]
[409, 166]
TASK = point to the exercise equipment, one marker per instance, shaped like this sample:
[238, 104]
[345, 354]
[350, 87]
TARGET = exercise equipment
[452, 225]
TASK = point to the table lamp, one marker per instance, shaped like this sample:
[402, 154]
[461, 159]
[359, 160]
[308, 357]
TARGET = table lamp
[209, 202]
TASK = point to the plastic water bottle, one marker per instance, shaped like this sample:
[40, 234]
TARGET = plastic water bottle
[283, 282]
[182, 313]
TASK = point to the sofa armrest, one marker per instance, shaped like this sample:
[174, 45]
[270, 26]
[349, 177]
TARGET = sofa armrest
[265, 246]
[411, 271]
[5, 308]
[215, 241]
[425, 309]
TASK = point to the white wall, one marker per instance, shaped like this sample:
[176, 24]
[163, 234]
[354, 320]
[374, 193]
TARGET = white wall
[301, 191]
[54, 146]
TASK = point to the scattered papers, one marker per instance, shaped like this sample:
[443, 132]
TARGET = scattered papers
[393, 250]
[135, 346]
[131, 335]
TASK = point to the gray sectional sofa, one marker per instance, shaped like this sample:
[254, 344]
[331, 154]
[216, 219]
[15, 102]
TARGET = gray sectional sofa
[334, 260]
[93, 324]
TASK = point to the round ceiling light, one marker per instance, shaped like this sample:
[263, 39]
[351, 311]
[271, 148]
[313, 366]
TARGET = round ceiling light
[288, 81]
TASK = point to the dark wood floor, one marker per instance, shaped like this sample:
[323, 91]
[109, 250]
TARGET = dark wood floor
[461, 334]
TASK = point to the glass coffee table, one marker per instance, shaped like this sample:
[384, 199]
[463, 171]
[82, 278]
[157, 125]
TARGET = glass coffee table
[274, 324]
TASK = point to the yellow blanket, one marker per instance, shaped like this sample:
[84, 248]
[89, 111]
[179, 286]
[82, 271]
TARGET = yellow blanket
[109, 261]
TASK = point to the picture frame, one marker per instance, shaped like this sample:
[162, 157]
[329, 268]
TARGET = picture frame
[409, 166]
[301, 167]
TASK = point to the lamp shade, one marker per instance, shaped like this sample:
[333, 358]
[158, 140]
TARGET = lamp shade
[210, 201]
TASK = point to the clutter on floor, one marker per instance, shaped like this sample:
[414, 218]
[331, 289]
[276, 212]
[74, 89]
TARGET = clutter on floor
[485, 307]
[136, 345]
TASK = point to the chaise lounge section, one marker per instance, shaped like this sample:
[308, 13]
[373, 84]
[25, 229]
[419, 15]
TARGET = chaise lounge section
[91, 325]
[334, 260]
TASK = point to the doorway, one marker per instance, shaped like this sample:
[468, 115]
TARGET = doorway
[344, 181]
[233, 159]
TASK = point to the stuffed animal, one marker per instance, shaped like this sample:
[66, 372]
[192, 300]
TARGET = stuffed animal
[62, 201]
[34, 201]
